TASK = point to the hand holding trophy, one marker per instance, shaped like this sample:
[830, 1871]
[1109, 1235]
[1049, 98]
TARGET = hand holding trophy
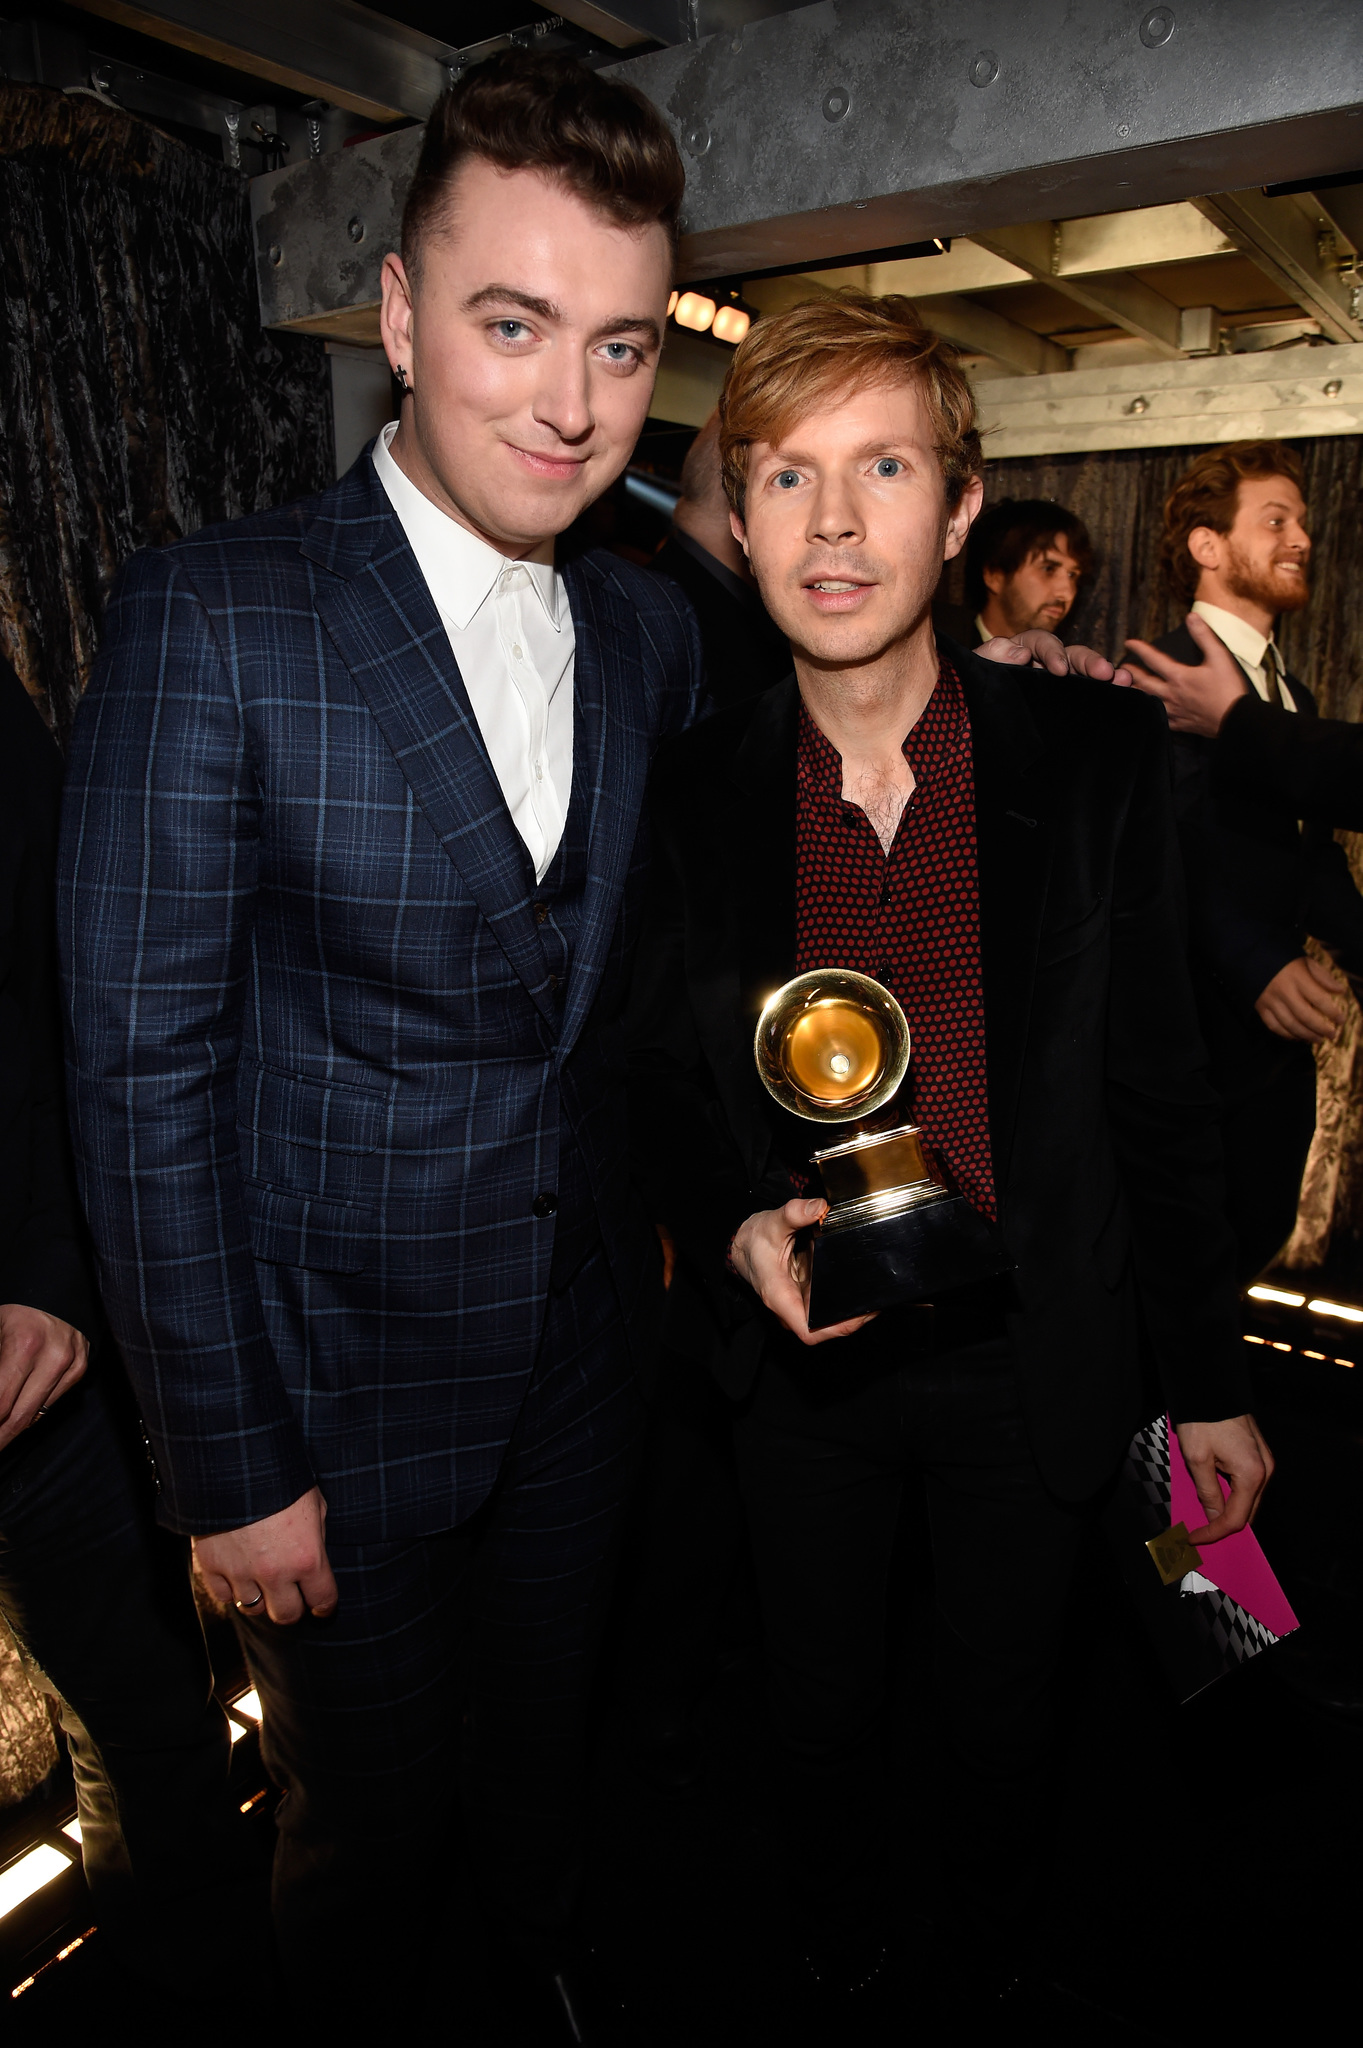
[833, 1047]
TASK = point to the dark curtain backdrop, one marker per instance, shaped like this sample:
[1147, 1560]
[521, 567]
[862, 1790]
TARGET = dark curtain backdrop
[139, 396]
[1120, 495]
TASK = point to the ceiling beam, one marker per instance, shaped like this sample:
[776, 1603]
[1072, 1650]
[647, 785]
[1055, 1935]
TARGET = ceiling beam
[981, 331]
[626, 23]
[1292, 243]
[326, 49]
[1307, 391]
[857, 124]
[1118, 301]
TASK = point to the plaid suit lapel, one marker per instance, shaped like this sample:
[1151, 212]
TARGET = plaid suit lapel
[385, 626]
[611, 702]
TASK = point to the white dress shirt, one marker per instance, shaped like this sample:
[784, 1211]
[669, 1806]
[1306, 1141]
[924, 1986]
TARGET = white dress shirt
[1255, 654]
[510, 629]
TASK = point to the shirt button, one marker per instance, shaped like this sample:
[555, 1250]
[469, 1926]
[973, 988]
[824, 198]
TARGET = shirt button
[545, 1204]
[539, 772]
[517, 652]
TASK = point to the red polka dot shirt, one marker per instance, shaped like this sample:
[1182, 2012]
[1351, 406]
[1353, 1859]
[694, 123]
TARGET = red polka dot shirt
[910, 919]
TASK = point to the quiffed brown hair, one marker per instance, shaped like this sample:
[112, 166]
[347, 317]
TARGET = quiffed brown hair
[1208, 495]
[522, 111]
[790, 364]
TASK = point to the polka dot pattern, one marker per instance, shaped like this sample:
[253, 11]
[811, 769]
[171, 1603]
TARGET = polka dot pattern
[911, 919]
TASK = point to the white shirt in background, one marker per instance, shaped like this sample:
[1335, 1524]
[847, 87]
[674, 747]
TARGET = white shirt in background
[1254, 653]
[510, 629]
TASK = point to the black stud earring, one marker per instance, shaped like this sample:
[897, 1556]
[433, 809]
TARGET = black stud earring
[401, 376]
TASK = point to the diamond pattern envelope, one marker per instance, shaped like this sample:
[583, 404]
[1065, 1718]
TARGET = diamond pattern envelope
[1226, 1605]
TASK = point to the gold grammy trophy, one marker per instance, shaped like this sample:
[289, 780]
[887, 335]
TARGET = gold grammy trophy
[833, 1047]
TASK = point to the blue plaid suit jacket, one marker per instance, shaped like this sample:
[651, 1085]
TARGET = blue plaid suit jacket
[315, 1061]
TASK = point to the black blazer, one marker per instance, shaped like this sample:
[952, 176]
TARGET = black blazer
[1258, 884]
[1106, 1156]
[43, 1258]
[1309, 767]
[745, 653]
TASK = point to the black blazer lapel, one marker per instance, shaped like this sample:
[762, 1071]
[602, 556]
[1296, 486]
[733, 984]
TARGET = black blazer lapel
[756, 893]
[1014, 835]
[763, 773]
[383, 621]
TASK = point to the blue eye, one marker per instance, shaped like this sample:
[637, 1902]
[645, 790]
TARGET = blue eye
[888, 465]
[618, 351]
[511, 330]
[787, 480]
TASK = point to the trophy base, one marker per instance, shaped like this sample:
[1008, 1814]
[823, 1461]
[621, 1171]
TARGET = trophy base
[912, 1256]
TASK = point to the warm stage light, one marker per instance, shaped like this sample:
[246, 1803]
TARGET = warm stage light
[235, 1730]
[1276, 1294]
[29, 1875]
[1336, 1308]
[1315, 1354]
[731, 324]
[694, 312]
[672, 304]
[247, 1704]
[72, 1831]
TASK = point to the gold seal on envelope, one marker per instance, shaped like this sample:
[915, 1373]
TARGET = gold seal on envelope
[1174, 1555]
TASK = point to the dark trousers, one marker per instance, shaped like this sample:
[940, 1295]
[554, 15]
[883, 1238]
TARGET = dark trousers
[453, 1675]
[1267, 1136]
[689, 1543]
[824, 1450]
[99, 1601]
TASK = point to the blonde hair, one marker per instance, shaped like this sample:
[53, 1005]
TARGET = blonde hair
[789, 364]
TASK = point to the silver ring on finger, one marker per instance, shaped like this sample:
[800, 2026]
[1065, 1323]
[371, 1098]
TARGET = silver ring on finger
[244, 1604]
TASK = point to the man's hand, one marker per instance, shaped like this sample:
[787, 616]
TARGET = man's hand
[276, 1567]
[41, 1358]
[1301, 1001]
[1043, 650]
[763, 1251]
[1196, 699]
[1236, 1449]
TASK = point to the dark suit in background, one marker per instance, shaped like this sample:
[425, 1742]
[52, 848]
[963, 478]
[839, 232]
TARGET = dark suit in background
[1309, 767]
[351, 1125]
[1018, 1405]
[744, 652]
[1258, 885]
[97, 1597]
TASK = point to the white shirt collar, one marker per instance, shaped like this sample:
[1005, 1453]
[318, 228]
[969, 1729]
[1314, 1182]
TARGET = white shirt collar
[461, 571]
[1245, 642]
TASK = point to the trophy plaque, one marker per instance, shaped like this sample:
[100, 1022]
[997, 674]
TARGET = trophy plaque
[833, 1047]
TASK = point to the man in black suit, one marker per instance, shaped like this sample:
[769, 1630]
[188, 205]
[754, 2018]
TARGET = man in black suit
[97, 1597]
[895, 803]
[1265, 753]
[744, 652]
[1259, 884]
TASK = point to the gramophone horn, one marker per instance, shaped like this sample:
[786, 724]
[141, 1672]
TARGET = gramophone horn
[832, 1046]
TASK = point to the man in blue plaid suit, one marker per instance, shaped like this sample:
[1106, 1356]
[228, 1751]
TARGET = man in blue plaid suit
[350, 879]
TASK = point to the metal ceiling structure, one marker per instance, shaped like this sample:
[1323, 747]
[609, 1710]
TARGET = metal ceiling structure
[1090, 173]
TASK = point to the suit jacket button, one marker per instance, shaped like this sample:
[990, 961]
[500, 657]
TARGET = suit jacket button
[541, 912]
[544, 1205]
